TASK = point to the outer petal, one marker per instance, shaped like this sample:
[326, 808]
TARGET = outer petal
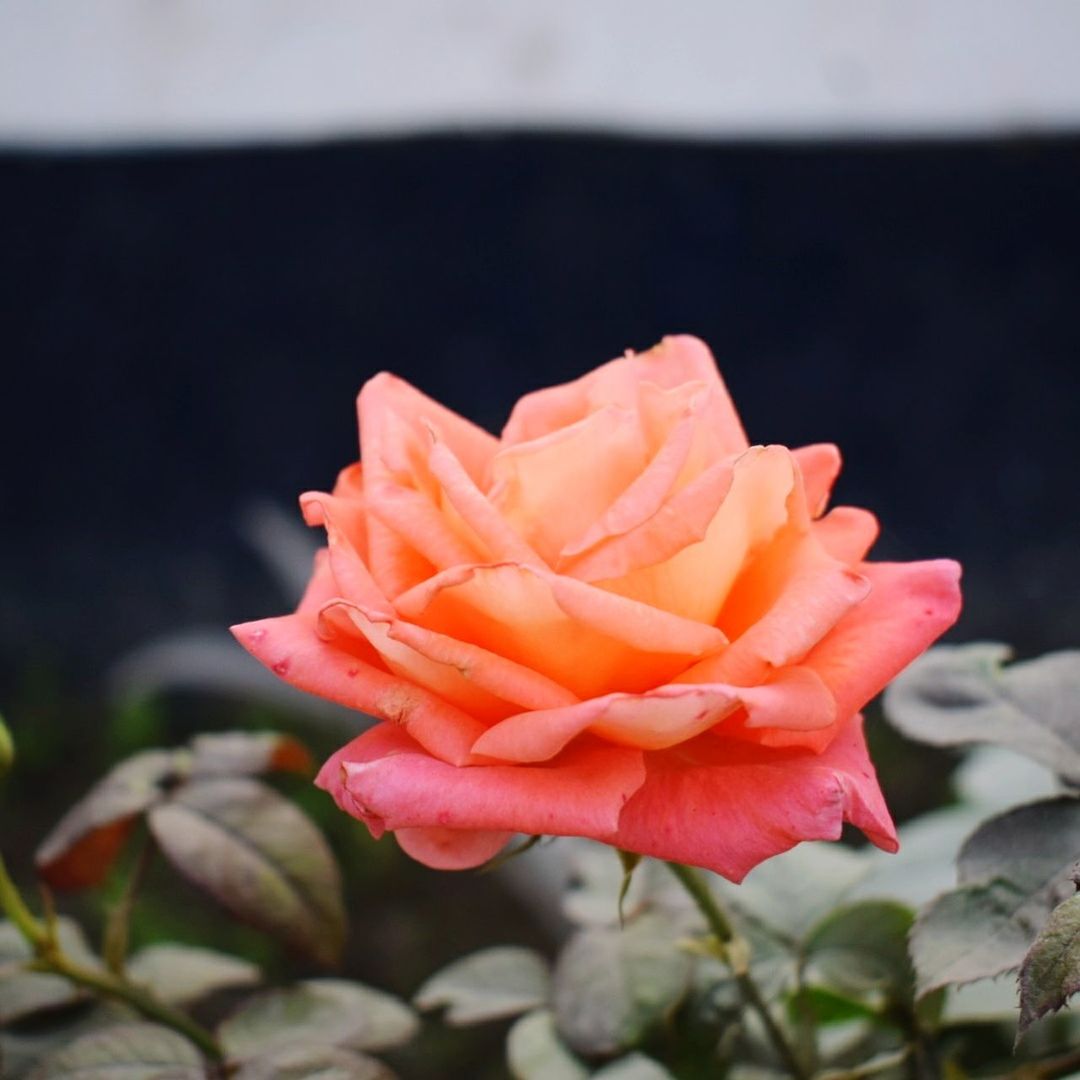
[583, 638]
[819, 464]
[910, 605]
[292, 648]
[395, 437]
[729, 806]
[795, 698]
[847, 533]
[388, 781]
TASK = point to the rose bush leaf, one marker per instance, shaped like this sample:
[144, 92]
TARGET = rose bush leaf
[248, 753]
[974, 932]
[82, 848]
[862, 948]
[487, 985]
[1050, 973]
[308, 1062]
[23, 993]
[135, 1051]
[331, 1012]
[633, 1067]
[180, 974]
[960, 694]
[534, 1050]
[611, 985]
[260, 857]
[1033, 847]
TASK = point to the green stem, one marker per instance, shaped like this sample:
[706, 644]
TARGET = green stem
[50, 958]
[720, 925]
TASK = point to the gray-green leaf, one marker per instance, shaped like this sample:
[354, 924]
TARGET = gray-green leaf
[1050, 973]
[25, 992]
[125, 1052]
[181, 974]
[260, 857]
[863, 948]
[303, 1062]
[331, 1012]
[633, 1067]
[958, 694]
[487, 985]
[611, 985]
[534, 1051]
[247, 753]
[974, 932]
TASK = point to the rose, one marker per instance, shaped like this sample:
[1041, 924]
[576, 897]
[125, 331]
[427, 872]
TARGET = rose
[617, 621]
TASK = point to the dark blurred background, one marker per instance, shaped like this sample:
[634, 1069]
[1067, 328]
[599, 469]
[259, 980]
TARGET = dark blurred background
[186, 331]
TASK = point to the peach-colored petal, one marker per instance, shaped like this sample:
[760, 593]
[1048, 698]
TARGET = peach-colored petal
[583, 638]
[552, 489]
[909, 606]
[339, 516]
[291, 648]
[499, 540]
[388, 781]
[395, 425]
[451, 849]
[847, 533]
[686, 558]
[482, 683]
[728, 806]
[676, 360]
[819, 464]
[794, 698]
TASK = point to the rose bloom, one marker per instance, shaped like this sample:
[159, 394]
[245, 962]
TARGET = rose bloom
[617, 620]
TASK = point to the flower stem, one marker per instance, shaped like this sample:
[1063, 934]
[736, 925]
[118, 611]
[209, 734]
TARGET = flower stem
[49, 957]
[115, 939]
[720, 925]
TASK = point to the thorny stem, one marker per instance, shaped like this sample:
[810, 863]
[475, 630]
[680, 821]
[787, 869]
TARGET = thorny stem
[49, 957]
[720, 925]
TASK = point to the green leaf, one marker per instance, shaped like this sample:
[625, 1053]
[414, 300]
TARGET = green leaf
[25, 1046]
[611, 985]
[861, 949]
[975, 932]
[248, 753]
[332, 1012]
[125, 1052]
[1050, 973]
[180, 974]
[822, 1007]
[25, 992]
[959, 694]
[534, 1051]
[487, 985]
[260, 857]
[82, 848]
[302, 1062]
[633, 1067]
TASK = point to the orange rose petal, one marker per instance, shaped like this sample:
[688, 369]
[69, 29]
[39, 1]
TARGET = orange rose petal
[728, 806]
[583, 638]
[338, 515]
[485, 685]
[552, 489]
[502, 542]
[691, 575]
[847, 533]
[290, 647]
[388, 781]
[819, 464]
[795, 698]
[909, 606]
